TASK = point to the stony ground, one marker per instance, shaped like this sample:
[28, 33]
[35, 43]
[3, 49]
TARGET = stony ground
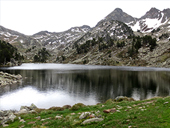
[122, 112]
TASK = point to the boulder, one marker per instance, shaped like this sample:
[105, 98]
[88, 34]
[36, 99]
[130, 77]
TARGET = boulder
[84, 115]
[110, 110]
[123, 98]
[12, 117]
[33, 106]
[23, 111]
[7, 113]
[58, 117]
[1, 113]
[66, 107]
[77, 106]
[1, 118]
[92, 120]
[56, 108]
[32, 111]
[25, 107]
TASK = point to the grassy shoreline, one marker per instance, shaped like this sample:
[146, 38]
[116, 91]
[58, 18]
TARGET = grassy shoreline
[125, 114]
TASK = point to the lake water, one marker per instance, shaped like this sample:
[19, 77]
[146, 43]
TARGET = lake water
[48, 85]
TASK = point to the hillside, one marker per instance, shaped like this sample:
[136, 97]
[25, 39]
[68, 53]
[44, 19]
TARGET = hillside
[118, 39]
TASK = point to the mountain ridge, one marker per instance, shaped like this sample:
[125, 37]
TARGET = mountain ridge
[110, 42]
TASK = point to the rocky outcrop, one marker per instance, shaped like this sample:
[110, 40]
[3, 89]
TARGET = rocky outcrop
[6, 116]
[8, 79]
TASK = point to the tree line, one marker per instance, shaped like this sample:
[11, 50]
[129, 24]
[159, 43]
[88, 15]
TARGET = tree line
[42, 56]
[138, 42]
[9, 53]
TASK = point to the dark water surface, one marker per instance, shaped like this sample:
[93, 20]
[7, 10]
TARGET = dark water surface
[48, 85]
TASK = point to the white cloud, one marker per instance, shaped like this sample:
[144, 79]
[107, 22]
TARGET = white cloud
[31, 16]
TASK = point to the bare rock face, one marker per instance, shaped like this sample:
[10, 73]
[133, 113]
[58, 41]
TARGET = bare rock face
[119, 15]
[152, 14]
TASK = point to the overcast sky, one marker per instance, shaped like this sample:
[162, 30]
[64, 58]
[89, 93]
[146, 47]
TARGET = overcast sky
[32, 16]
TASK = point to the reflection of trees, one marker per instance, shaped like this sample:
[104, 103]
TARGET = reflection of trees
[104, 84]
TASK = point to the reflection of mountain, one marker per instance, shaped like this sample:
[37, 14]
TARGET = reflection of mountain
[103, 84]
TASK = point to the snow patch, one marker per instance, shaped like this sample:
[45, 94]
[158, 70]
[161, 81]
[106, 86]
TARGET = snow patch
[153, 23]
[21, 41]
[113, 28]
[1, 33]
[14, 39]
[90, 38]
[120, 37]
[68, 34]
[111, 34]
[48, 34]
[136, 26]
[54, 42]
[75, 30]
[85, 30]
[38, 37]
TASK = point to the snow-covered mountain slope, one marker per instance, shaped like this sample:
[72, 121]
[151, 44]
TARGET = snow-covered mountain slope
[50, 40]
[107, 29]
[55, 40]
[16, 38]
[152, 20]
[155, 21]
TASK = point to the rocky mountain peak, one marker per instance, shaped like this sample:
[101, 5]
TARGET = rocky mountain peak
[42, 33]
[153, 13]
[166, 10]
[166, 13]
[119, 15]
[119, 10]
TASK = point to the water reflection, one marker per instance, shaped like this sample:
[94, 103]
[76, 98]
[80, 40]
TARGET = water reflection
[86, 85]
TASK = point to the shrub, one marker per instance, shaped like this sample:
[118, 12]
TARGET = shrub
[77, 106]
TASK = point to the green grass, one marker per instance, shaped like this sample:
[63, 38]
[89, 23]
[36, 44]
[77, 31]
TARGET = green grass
[152, 113]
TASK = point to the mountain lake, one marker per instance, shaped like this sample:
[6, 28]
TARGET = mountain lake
[48, 85]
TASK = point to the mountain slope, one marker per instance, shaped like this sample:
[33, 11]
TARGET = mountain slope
[59, 40]
[16, 38]
[118, 39]
[119, 15]
[140, 50]
[153, 19]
